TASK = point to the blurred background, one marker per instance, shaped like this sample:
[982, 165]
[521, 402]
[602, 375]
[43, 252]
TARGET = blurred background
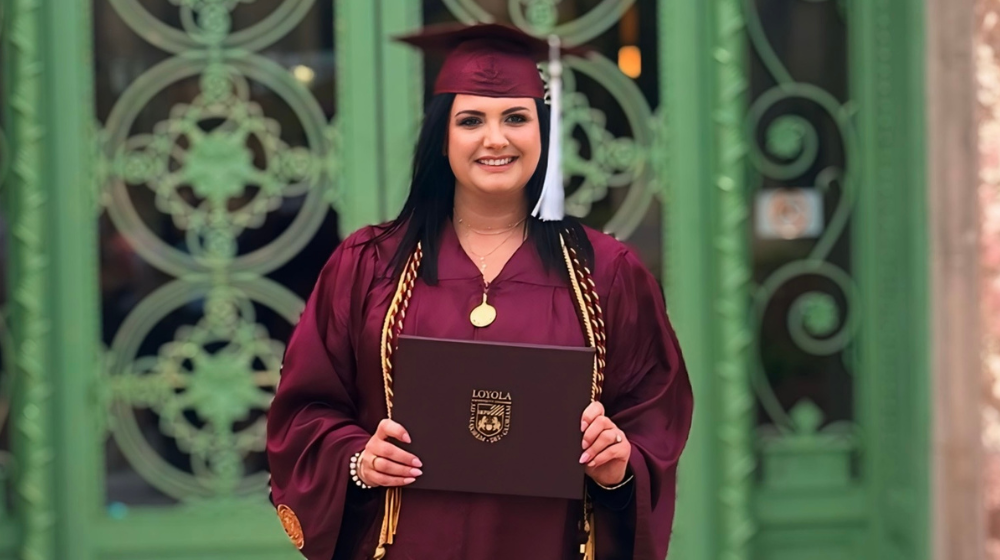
[816, 184]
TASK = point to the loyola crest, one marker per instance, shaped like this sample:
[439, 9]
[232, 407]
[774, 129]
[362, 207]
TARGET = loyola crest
[490, 415]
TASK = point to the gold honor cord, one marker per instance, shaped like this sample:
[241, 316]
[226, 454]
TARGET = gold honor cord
[591, 317]
[391, 329]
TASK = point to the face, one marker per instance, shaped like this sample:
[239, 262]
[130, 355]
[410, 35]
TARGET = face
[493, 143]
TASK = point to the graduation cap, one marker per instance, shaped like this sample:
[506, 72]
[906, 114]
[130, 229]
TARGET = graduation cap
[493, 60]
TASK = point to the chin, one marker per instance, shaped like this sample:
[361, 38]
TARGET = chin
[498, 187]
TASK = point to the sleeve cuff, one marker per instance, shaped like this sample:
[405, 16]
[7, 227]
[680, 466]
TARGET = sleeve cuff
[617, 497]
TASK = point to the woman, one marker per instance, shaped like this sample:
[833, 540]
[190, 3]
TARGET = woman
[467, 260]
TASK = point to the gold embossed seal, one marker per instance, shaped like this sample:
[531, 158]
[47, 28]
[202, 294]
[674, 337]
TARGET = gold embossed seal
[489, 419]
[290, 522]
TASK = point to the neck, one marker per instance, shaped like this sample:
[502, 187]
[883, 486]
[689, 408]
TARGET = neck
[489, 212]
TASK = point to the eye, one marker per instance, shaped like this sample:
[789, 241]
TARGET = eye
[469, 122]
[517, 118]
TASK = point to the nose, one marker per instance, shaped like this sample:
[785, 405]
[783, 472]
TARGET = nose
[494, 138]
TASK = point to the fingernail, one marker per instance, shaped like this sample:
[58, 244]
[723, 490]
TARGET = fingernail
[409, 480]
[406, 438]
[416, 472]
[583, 426]
[417, 463]
[592, 463]
[584, 458]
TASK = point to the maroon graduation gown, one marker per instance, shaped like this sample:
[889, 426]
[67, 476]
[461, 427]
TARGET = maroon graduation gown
[330, 400]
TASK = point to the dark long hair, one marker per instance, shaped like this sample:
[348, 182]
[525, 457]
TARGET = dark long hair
[432, 197]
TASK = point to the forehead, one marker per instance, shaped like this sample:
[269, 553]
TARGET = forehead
[464, 102]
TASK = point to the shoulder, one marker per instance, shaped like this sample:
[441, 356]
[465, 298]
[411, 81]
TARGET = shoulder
[371, 247]
[359, 259]
[612, 259]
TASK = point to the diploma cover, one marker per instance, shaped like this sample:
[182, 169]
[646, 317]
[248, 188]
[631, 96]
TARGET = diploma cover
[491, 417]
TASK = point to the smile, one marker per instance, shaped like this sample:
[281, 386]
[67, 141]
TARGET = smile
[496, 162]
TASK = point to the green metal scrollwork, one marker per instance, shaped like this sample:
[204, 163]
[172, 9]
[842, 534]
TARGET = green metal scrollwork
[805, 457]
[210, 224]
[216, 167]
[32, 435]
[222, 370]
[614, 162]
[736, 460]
[790, 149]
[541, 17]
[207, 24]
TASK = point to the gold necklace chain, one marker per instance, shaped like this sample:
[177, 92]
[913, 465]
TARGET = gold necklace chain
[482, 258]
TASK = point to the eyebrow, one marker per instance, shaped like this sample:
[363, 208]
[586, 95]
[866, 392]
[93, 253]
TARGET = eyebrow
[482, 114]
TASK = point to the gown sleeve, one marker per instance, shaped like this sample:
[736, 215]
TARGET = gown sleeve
[648, 396]
[312, 430]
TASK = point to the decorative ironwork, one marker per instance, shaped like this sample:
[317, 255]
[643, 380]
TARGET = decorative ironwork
[217, 166]
[541, 17]
[207, 24]
[784, 117]
[217, 374]
[622, 162]
[736, 460]
[32, 426]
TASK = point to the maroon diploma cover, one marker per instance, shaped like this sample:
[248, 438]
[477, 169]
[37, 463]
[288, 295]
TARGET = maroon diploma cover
[494, 418]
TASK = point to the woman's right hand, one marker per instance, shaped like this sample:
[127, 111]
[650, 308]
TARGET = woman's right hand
[384, 464]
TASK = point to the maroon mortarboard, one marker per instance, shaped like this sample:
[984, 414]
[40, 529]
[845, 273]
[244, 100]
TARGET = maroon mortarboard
[491, 60]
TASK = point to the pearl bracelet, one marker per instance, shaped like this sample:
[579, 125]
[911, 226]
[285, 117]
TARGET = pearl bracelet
[355, 467]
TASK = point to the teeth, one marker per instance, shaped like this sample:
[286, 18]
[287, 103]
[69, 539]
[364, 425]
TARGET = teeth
[504, 161]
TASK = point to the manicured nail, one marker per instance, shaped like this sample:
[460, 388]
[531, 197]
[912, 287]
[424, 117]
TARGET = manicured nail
[592, 463]
[406, 438]
[583, 426]
[584, 458]
[417, 463]
[416, 472]
[409, 480]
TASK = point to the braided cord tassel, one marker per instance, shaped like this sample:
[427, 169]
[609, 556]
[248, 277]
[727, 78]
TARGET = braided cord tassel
[592, 318]
[391, 329]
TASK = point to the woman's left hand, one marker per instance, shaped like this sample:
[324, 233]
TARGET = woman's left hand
[606, 449]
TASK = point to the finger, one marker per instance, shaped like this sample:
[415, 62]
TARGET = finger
[379, 479]
[395, 430]
[388, 467]
[593, 411]
[604, 440]
[601, 424]
[612, 453]
[390, 452]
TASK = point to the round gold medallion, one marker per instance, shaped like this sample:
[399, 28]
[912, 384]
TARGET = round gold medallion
[483, 315]
[290, 522]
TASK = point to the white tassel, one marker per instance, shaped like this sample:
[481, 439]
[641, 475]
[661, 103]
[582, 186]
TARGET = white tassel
[551, 202]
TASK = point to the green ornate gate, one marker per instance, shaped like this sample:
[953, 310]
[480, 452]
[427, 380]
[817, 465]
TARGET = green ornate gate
[176, 171]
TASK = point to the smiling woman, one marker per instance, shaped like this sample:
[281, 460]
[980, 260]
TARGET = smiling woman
[467, 259]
